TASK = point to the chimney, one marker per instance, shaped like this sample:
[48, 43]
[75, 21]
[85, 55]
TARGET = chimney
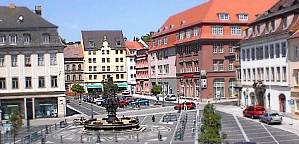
[12, 5]
[38, 10]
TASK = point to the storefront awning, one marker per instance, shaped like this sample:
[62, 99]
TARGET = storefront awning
[96, 85]
[122, 85]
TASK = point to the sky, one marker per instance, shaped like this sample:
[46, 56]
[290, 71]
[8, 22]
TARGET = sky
[134, 17]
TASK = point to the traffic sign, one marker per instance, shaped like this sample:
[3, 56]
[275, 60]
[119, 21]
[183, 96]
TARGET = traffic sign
[291, 101]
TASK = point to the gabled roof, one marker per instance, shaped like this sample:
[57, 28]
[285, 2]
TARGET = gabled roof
[98, 36]
[208, 12]
[9, 19]
[133, 45]
[73, 51]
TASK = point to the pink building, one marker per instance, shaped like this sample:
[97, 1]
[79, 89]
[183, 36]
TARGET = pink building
[142, 76]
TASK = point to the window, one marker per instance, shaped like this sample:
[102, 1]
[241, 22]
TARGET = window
[103, 52]
[116, 51]
[46, 38]
[132, 75]
[196, 31]
[108, 68]
[15, 83]
[182, 35]
[283, 49]
[131, 67]
[217, 47]
[230, 66]
[217, 30]
[188, 33]
[218, 88]
[165, 40]
[121, 76]
[12, 39]
[79, 67]
[27, 38]
[74, 77]
[215, 65]
[248, 75]
[103, 77]
[248, 54]
[284, 22]
[236, 30]
[107, 52]
[166, 68]
[244, 75]
[94, 52]
[95, 77]
[272, 74]
[121, 51]
[68, 77]
[253, 74]
[177, 36]
[94, 68]
[297, 52]
[278, 74]
[121, 68]
[117, 68]
[284, 74]
[243, 17]
[266, 51]
[103, 60]
[116, 59]
[2, 39]
[94, 60]
[103, 68]
[28, 82]
[230, 49]
[14, 60]
[27, 60]
[277, 50]
[90, 77]
[73, 67]
[253, 53]
[221, 67]
[131, 59]
[54, 81]
[231, 88]
[121, 59]
[267, 74]
[118, 43]
[296, 76]
[243, 55]
[89, 52]
[53, 60]
[117, 76]
[153, 69]
[2, 60]
[80, 77]
[89, 60]
[108, 60]
[154, 43]
[91, 43]
[273, 24]
[2, 83]
[271, 51]
[223, 16]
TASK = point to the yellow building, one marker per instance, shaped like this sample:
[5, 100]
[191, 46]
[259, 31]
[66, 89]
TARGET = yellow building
[104, 57]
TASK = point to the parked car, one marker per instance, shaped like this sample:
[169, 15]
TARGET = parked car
[125, 92]
[271, 117]
[189, 105]
[123, 102]
[254, 111]
[170, 97]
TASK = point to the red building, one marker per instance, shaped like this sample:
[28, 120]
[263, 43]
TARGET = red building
[203, 38]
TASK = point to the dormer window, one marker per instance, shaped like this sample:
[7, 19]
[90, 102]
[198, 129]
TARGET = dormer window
[171, 26]
[223, 16]
[12, 39]
[2, 39]
[183, 22]
[243, 17]
[118, 43]
[46, 38]
[27, 38]
[284, 22]
[91, 43]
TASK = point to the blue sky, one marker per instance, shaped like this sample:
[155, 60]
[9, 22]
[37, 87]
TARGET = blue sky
[134, 17]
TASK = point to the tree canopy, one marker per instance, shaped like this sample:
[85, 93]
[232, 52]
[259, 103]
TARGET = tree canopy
[16, 122]
[78, 88]
[156, 89]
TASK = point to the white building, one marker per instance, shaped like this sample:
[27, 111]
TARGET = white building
[31, 65]
[264, 57]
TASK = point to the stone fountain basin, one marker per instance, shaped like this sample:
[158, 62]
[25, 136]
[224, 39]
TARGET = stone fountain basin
[124, 123]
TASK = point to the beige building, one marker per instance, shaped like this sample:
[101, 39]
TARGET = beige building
[104, 57]
[294, 72]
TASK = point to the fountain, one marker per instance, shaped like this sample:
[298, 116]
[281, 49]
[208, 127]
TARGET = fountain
[112, 122]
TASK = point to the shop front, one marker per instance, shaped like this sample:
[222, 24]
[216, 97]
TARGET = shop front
[122, 86]
[46, 107]
[96, 87]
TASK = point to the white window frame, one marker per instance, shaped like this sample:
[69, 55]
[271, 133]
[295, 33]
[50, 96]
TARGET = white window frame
[2, 39]
[217, 30]
[53, 58]
[40, 59]
[243, 17]
[223, 16]
[195, 31]
[215, 65]
[2, 60]
[236, 30]
[230, 66]
[12, 39]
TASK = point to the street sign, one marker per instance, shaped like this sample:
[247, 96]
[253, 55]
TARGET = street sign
[291, 101]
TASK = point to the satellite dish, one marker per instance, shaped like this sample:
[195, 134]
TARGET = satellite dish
[21, 18]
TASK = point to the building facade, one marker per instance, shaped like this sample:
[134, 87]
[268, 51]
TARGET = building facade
[142, 72]
[131, 49]
[264, 57]
[31, 65]
[203, 45]
[73, 65]
[104, 57]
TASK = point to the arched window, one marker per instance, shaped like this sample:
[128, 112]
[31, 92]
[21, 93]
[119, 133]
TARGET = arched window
[74, 67]
[74, 77]
[2, 39]
[46, 38]
[27, 38]
[12, 39]
[79, 67]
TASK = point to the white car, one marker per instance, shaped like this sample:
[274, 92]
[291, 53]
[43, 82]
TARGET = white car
[125, 92]
[170, 97]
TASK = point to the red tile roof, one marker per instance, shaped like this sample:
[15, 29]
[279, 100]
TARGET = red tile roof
[208, 12]
[133, 45]
[73, 51]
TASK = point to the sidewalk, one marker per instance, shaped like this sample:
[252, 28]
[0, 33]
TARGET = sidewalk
[49, 121]
[288, 124]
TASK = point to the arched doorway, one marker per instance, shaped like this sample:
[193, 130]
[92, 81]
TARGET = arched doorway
[269, 102]
[282, 103]
[252, 98]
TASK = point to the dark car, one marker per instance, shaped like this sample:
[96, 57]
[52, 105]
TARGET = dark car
[254, 111]
[189, 106]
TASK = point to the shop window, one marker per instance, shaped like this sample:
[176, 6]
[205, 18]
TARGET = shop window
[218, 88]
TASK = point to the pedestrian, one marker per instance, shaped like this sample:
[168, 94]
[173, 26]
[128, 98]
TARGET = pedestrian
[153, 118]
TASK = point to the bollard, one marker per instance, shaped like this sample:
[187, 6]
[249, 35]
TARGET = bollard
[47, 132]
[50, 129]
[159, 136]
[115, 137]
[55, 126]
[153, 118]
[43, 140]
[137, 138]
[81, 139]
[61, 139]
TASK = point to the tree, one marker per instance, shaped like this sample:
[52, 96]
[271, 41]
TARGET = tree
[156, 89]
[146, 37]
[78, 89]
[15, 119]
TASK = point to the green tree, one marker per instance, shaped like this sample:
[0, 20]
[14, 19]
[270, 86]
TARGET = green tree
[146, 37]
[156, 89]
[78, 89]
[15, 119]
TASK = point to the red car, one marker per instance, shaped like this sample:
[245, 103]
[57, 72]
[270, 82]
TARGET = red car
[189, 105]
[254, 111]
[123, 102]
